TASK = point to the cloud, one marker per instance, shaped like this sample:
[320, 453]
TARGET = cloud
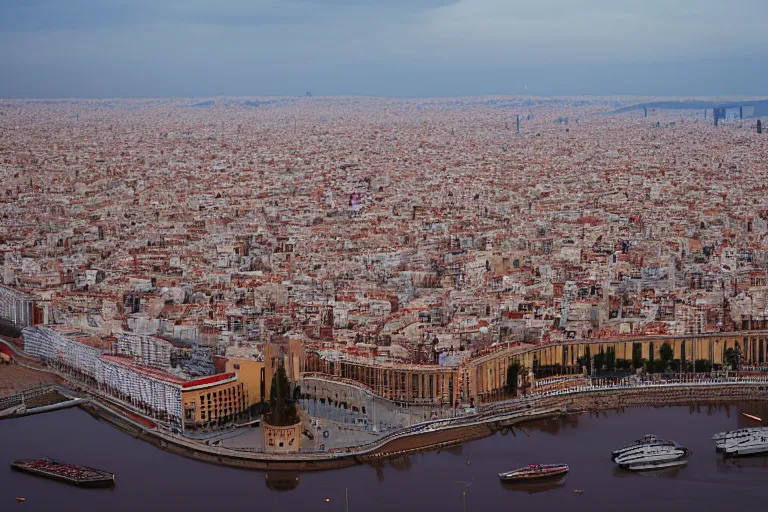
[204, 47]
[592, 30]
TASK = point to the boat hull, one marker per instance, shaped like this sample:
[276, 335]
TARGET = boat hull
[746, 451]
[525, 475]
[651, 466]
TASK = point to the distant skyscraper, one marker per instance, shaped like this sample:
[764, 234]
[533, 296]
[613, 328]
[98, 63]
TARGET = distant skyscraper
[759, 126]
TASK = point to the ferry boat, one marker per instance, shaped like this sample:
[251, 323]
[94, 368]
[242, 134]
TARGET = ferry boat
[722, 439]
[534, 472]
[754, 443]
[658, 454]
[646, 440]
[69, 473]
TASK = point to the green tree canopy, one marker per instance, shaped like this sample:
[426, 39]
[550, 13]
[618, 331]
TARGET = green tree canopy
[512, 372]
[666, 352]
[282, 403]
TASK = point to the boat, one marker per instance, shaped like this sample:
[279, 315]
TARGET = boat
[754, 443]
[646, 440]
[721, 439]
[534, 472]
[659, 454]
[69, 473]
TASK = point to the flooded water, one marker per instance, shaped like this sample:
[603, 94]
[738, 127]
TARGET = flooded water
[150, 479]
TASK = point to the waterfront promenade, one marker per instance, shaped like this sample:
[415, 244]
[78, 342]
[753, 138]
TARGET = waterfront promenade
[436, 433]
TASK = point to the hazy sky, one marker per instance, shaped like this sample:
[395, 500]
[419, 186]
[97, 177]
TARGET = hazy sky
[99, 48]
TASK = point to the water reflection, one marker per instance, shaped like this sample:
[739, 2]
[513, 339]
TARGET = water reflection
[282, 481]
[725, 464]
[534, 487]
[457, 449]
[658, 473]
[549, 426]
[401, 463]
[429, 481]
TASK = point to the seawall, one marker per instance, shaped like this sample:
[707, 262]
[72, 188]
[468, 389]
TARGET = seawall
[432, 434]
[441, 433]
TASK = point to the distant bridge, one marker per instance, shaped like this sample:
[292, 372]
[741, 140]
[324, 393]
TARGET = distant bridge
[719, 108]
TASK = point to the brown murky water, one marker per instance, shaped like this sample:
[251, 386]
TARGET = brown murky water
[150, 479]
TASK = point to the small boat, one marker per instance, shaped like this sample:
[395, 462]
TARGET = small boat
[69, 473]
[21, 500]
[534, 471]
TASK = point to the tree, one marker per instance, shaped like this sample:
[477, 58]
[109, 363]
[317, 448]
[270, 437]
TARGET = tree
[599, 361]
[703, 366]
[666, 353]
[512, 372]
[282, 404]
[637, 355]
[649, 366]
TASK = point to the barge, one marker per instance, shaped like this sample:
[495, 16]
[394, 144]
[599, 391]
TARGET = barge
[70, 473]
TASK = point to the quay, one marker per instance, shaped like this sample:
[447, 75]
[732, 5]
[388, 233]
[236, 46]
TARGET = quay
[488, 418]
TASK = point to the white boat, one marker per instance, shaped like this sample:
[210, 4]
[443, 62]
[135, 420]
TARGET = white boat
[646, 440]
[738, 432]
[653, 455]
[753, 444]
[722, 439]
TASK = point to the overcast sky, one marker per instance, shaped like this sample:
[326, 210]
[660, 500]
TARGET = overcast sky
[153, 48]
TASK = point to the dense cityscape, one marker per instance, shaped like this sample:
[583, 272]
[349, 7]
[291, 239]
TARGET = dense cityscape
[310, 283]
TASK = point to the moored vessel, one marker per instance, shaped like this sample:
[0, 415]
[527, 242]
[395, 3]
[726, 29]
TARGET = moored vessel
[650, 455]
[754, 443]
[731, 437]
[646, 440]
[534, 472]
[69, 473]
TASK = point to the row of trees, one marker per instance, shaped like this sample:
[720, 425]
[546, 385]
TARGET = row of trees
[608, 362]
